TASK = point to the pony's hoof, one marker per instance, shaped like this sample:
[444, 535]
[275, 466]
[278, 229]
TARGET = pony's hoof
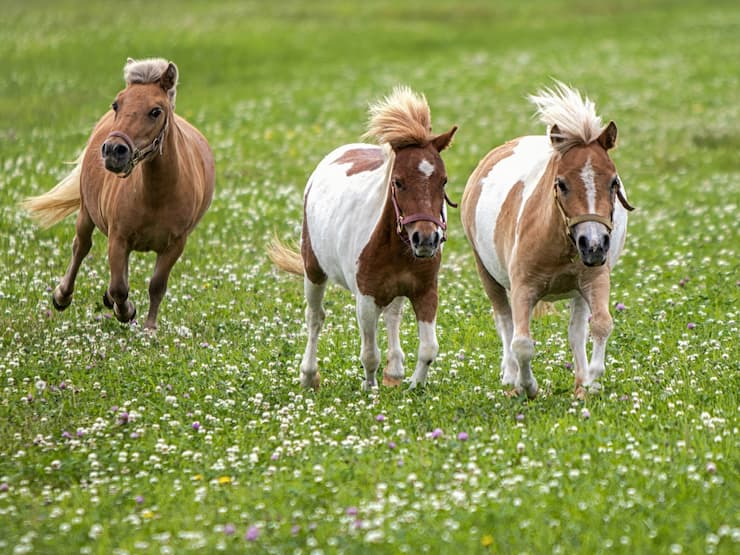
[390, 381]
[125, 318]
[311, 381]
[583, 391]
[60, 305]
[107, 301]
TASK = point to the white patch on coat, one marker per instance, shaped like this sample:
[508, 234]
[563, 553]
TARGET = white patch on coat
[342, 211]
[526, 164]
[426, 167]
[589, 180]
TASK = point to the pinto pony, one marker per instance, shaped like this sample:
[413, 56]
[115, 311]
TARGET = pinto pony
[374, 222]
[145, 179]
[547, 219]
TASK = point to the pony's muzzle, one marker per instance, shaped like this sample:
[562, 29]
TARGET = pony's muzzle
[592, 240]
[116, 155]
[425, 239]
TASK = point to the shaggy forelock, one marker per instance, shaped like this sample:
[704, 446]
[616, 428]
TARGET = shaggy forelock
[147, 71]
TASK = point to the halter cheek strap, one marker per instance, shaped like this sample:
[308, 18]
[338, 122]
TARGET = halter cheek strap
[402, 221]
[137, 155]
[571, 221]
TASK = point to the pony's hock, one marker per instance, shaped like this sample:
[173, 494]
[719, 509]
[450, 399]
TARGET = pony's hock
[145, 179]
[375, 218]
[547, 219]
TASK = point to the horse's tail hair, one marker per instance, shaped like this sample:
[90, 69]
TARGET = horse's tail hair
[58, 203]
[285, 258]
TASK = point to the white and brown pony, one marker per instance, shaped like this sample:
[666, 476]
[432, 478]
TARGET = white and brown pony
[374, 222]
[145, 179]
[547, 218]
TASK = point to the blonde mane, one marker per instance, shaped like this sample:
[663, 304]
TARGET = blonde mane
[149, 70]
[401, 119]
[574, 116]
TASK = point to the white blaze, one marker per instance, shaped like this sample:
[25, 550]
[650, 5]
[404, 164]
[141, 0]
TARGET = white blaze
[426, 168]
[587, 176]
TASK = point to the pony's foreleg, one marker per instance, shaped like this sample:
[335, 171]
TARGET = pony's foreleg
[367, 317]
[577, 331]
[158, 283]
[62, 295]
[393, 373]
[601, 327]
[314, 292]
[522, 345]
[504, 323]
[117, 293]
[425, 308]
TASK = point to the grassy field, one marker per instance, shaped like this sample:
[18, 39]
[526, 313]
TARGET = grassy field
[200, 438]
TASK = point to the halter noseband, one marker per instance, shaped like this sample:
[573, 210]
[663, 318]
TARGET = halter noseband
[402, 221]
[137, 155]
[572, 221]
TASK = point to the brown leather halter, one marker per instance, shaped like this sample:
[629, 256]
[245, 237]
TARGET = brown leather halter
[572, 221]
[402, 221]
[137, 155]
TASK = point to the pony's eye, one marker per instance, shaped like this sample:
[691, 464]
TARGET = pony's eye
[560, 182]
[155, 113]
[398, 184]
[114, 106]
[444, 181]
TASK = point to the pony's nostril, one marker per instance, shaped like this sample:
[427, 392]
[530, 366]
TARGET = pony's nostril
[605, 242]
[415, 238]
[104, 149]
[435, 240]
[120, 150]
[582, 243]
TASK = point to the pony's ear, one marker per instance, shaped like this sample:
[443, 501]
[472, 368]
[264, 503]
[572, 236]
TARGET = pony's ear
[169, 77]
[608, 137]
[556, 137]
[129, 61]
[442, 141]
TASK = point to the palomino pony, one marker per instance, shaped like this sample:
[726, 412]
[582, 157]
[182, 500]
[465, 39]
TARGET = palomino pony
[374, 222]
[547, 218]
[144, 179]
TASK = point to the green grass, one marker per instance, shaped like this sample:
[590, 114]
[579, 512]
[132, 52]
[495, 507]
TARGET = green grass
[649, 466]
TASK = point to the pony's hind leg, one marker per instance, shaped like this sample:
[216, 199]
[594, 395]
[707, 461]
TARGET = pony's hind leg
[62, 295]
[577, 331]
[504, 323]
[367, 318]
[158, 284]
[393, 373]
[118, 254]
[314, 292]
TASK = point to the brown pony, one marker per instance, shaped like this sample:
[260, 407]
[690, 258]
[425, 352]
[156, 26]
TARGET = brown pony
[145, 179]
[374, 222]
[546, 216]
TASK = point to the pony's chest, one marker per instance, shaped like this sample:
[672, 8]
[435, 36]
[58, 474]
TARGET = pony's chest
[385, 278]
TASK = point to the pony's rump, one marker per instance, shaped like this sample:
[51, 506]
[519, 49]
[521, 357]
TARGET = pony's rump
[58, 203]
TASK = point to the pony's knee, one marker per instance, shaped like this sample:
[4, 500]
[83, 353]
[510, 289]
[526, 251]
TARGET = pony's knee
[523, 348]
[601, 325]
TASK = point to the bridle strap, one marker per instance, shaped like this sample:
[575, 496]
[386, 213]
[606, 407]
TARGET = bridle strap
[402, 221]
[571, 221]
[137, 155]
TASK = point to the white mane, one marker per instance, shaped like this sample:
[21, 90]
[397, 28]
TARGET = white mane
[574, 116]
[147, 71]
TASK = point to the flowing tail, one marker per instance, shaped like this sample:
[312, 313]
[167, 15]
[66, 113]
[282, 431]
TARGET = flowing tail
[58, 203]
[285, 258]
